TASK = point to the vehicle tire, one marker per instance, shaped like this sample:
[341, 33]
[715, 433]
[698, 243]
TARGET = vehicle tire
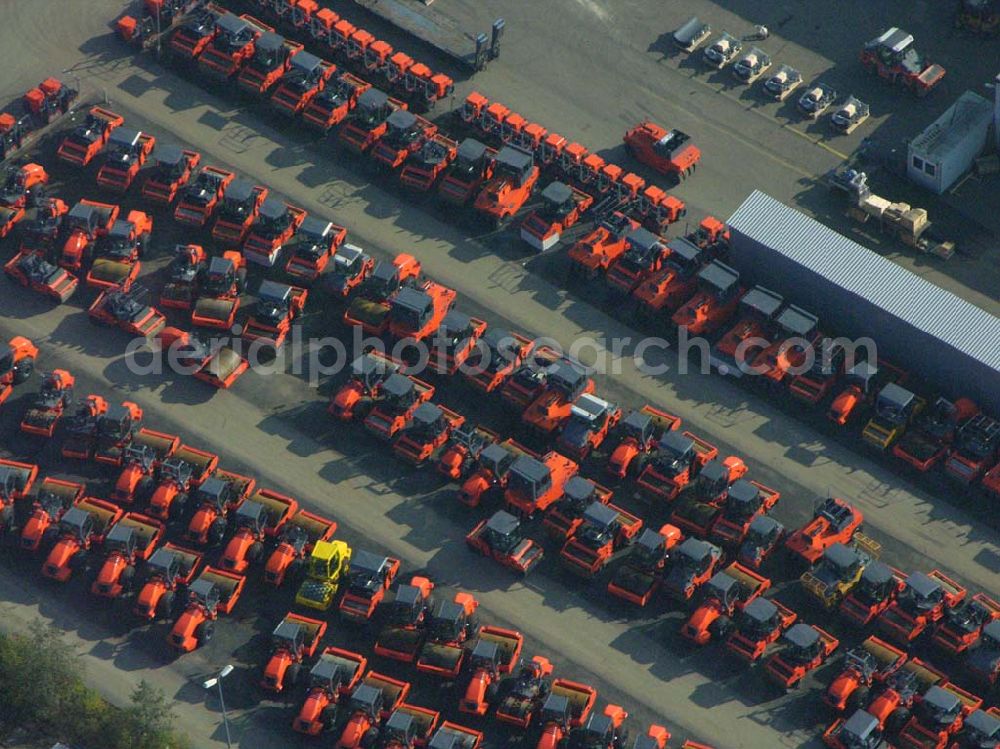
[857, 699]
[216, 531]
[127, 579]
[896, 720]
[241, 280]
[6, 519]
[204, 633]
[144, 490]
[295, 570]
[328, 717]
[293, 675]
[720, 627]
[369, 739]
[141, 246]
[178, 506]
[24, 369]
[255, 552]
[165, 606]
[78, 561]
[492, 692]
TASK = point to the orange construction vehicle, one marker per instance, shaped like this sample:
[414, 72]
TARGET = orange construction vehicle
[923, 601]
[638, 579]
[691, 564]
[293, 545]
[739, 346]
[20, 185]
[49, 502]
[173, 170]
[758, 625]
[271, 59]
[983, 661]
[219, 294]
[195, 33]
[426, 433]
[87, 139]
[865, 667]
[86, 222]
[566, 515]
[937, 716]
[368, 121]
[231, 47]
[49, 100]
[604, 730]
[417, 313]
[874, 593]
[669, 152]
[405, 135]
[357, 396]
[522, 694]
[199, 197]
[255, 523]
[963, 625]
[925, 445]
[81, 530]
[408, 727]
[728, 592]
[673, 280]
[277, 307]
[214, 592]
[31, 270]
[16, 480]
[514, 177]
[55, 396]
[975, 451]
[332, 677]
[644, 255]
[401, 396]
[833, 521]
[129, 544]
[816, 383]
[453, 624]
[745, 502]
[80, 428]
[423, 168]
[368, 705]
[141, 459]
[473, 165]
[458, 458]
[370, 308]
[317, 240]
[351, 268]
[406, 619]
[369, 577]
[454, 341]
[127, 151]
[209, 361]
[718, 295]
[533, 484]
[331, 106]
[605, 530]
[497, 356]
[793, 325]
[117, 260]
[123, 308]
[591, 418]
[273, 226]
[501, 538]
[305, 77]
[187, 269]
[117, 428]
[179, 475]
[567, 707]
[806, 648]
[453, 735]
[496, 652]
[894, 58]
[293, 641]
[39, 234]
[491, 472]
[566, 381]
[675, 463]
[562, 207]
[864, 381]
[212, 505]
[241, 202]
[592, 255]
[635, 438]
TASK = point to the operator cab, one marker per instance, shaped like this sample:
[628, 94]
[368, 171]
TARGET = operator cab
[860, 731]
[803, 643]
[214, 492]
[365, 699]
[367, 571]
[839, 564]
[455, 328]
[398, 391]
[288, 635]
[470, 159]
[403, 128]
[742, 500]
[408, 606]
[894, 404]
[515, 164]
[529, 478]
[758, 618]
[497, 459]
[411, 308]
[170, 161]
[303, 72]
[400, 729]
[568, 377]
[314, 238]
[578, 493]
[205, 593]
[370, 370]
[237, 199]
[497, 352]
[921, 593]
[725, 588]
[485, 654]
[939, 708]
[448, 622]
[77, 523]
[713, 481]
[674, 454]
[327, 674]
[165, 564]
[273, 218]
[503, 532]
[123, 145]
[599, 524]
[273, 302]
[121, 539]
[251, 516]
[638, 426]
[372, 108]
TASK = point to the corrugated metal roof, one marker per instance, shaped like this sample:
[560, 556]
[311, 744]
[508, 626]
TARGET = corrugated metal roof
[858, 270]
[971, 114]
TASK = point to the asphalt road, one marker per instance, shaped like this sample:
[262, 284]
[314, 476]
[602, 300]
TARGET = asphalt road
[269, 413]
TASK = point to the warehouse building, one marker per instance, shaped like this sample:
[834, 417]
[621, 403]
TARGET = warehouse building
[945, 151]
[938, 336]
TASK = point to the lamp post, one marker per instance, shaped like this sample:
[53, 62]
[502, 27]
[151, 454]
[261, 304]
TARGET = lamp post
[217, 681]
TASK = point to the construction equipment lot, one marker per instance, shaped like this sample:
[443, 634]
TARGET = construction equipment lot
[289, 443]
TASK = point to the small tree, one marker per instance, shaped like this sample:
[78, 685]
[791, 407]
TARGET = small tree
[148, 721]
